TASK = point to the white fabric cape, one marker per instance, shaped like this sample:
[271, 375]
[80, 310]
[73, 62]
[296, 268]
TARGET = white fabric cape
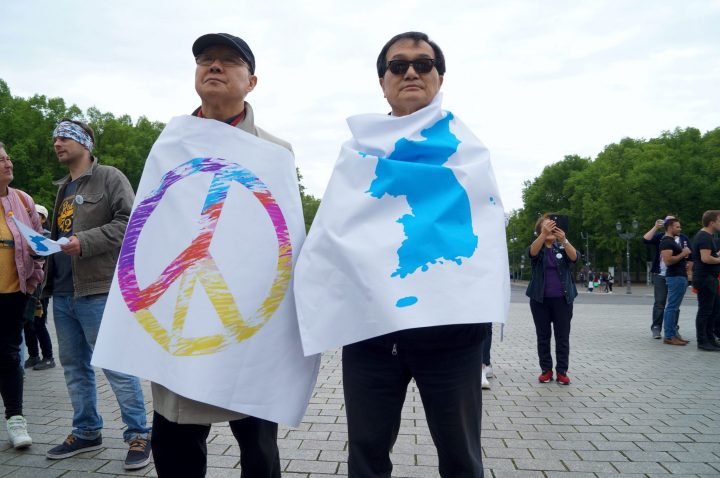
[410, 233]
[202, 300]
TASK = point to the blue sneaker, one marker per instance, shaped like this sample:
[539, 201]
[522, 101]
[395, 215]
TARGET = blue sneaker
[139, 454]
[72, 446]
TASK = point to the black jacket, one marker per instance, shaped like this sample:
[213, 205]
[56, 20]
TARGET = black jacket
[536, 287]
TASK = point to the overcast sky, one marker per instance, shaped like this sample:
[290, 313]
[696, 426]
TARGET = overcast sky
[535, 80]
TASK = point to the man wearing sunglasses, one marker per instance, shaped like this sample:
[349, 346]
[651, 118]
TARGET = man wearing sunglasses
[411, 72]
[224, 76]
[444, 360]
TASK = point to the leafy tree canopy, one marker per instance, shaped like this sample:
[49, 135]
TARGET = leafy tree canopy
[26, 126]
[635, 179]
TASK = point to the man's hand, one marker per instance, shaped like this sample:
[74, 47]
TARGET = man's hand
[72, 248]
[660, 224]
[686, 251]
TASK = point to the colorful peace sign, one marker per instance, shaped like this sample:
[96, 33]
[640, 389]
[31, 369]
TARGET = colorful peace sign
[196, 264]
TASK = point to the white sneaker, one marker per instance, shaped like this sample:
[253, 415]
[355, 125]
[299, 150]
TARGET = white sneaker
[489, 371]
[484, 381]
[17, 432]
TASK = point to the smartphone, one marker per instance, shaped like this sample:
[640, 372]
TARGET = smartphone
[561, 221]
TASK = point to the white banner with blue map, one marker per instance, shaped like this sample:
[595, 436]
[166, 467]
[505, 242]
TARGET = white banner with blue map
[410, 233]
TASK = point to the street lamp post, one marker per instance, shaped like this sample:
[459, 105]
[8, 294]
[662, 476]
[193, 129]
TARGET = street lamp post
[513, 240]
[627, 236]
[586, 236]
[522, 265]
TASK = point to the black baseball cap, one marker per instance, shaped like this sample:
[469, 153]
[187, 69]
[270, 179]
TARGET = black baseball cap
[236, 43]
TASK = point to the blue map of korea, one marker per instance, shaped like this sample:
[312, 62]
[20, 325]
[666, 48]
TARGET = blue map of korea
[439, 227]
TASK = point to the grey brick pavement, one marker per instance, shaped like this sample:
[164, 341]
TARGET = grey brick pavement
[636, 407]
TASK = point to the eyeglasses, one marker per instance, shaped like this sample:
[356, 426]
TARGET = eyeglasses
[420, 65]
[205, 59]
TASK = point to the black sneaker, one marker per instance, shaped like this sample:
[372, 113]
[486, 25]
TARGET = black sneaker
[45, 364]
[72, 446]
[710, 347]
[139, 454]
[32, 361]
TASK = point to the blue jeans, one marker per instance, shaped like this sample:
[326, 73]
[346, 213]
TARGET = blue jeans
[77, 322]
[676, 286]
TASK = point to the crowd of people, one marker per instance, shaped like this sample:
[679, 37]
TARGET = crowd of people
[450, 363]
[677, 261]
[602, 281]
[91, 212]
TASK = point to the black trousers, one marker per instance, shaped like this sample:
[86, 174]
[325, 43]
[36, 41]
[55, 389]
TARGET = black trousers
[12, 307]
[553, 315]
[660, 293]
[37, 332]
[487, 344]
[181, 450]
[707, 320]
[375, 382]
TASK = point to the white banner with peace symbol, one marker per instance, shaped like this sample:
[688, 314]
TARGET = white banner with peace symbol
[410, 233]
[202, 300]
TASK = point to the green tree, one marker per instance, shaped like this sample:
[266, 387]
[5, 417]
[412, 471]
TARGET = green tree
[634, 179]
[310, 203]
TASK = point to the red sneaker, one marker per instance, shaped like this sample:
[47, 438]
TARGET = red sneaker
[563, 379]
[545, 377]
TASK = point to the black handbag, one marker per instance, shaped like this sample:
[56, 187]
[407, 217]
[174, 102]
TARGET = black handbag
[30, 307]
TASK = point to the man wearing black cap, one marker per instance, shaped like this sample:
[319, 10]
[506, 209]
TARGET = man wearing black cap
[225, 74]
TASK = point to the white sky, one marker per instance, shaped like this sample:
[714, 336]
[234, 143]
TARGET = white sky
[534, 80]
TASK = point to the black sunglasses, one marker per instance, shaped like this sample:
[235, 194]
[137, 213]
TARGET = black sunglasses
[420, 65]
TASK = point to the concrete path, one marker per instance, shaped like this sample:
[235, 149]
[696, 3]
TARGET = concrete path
[635, 407]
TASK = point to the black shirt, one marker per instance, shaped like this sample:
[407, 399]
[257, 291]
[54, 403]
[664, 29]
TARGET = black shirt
[62, 279]
[704, 240]
[655, 241]
[677, 269]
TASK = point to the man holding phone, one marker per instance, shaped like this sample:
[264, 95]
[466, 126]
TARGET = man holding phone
[658, 270]
[674, 254]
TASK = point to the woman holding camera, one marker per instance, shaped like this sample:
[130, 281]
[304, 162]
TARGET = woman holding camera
[552, 291]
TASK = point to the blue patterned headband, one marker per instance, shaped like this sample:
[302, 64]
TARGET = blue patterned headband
[68, 129]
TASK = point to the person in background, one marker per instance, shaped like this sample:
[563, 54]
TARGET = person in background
[706, 252]
[552, 292]
[36, 331]
[660, 292]
[674, 254]
[487, 370]
[20, 274]
[91, 210]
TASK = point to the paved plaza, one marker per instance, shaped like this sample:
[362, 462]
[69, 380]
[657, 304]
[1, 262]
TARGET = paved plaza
[635, 407]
